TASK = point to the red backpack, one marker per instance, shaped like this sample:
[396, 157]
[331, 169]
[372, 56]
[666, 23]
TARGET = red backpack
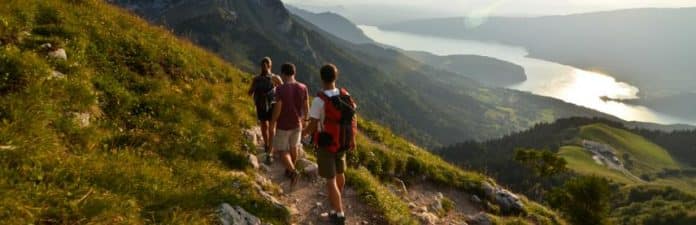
[340, 124]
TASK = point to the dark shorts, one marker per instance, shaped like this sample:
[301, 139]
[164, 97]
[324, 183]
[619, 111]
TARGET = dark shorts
[263, 114]
[330, 163]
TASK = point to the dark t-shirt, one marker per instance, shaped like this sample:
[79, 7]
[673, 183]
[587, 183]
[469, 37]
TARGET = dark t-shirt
[293, 97]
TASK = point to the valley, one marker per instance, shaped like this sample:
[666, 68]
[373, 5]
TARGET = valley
[650, 48]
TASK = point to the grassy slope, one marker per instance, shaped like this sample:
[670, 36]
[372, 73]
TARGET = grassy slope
[165, 122]
[581, 161]
[647, 156]
[385, 155]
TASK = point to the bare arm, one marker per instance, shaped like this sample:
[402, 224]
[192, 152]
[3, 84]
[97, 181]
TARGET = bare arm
[250, 92]
[276, 111]
[311, 128]
[276, 81]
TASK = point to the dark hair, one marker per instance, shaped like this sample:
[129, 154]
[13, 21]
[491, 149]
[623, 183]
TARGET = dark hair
[266, 61]
[329, 73]
[287, 69]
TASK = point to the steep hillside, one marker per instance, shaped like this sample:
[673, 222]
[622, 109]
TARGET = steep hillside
[108, 120]
[488, 70]
[427, 105]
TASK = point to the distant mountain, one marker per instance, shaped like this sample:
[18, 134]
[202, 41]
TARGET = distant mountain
[425, 104]
[334, 24]
[652, 49]
[488, 70]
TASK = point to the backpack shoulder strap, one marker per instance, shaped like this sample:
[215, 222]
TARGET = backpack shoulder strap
[344, 92]
[323, 96]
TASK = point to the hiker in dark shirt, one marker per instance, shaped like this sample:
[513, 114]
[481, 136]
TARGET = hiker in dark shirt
[263, 90]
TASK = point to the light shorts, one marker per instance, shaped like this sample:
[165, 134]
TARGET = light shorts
[283, 139]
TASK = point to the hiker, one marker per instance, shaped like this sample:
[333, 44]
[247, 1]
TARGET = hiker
[263, 90]
[333, 126]
[290, 110]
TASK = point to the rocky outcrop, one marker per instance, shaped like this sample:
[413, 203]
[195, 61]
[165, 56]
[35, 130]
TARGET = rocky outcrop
[479, 219]
[508, 202]
[236, 215]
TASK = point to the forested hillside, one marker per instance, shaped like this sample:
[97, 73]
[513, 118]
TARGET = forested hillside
[642, 164]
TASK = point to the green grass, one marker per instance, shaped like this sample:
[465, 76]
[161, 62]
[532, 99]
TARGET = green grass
[581, 162]
[648, 158]
[164, 142]
[372, 192]
[385, 155]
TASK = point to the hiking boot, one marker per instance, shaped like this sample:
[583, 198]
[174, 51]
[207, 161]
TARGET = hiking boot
[337, 220]
[294, 177]
[269, 159]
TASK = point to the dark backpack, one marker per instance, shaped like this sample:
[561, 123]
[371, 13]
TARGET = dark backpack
[340, 123]
[264, 92]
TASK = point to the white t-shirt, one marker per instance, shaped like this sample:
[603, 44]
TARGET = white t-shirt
[316, 111]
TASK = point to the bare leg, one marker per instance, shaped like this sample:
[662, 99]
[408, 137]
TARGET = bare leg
[271, 135]
[265, 134]
[334, 195]
[287, 160]
[340, 182]
[293, 153]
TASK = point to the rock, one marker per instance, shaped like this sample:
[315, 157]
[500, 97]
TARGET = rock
[55, 75]
[488, 190]
[264, 168]
[318, 204]
[479, 219]
[401, 185]
[508, 202]
[428, 218]
[58, 54]
[251, 136]
[436, 206]
[263, 181]
[311, 171]
[7, 147]
[82, 119]
[412, 205]
[439, 195]
[253, 161]
[423, 209]
[46, 46]
[475, 199]
[236, 216]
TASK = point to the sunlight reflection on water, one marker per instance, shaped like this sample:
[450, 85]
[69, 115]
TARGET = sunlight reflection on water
[580, 87]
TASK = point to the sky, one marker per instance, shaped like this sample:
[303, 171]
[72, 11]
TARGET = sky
[359, 9]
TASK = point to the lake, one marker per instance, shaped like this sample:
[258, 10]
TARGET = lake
[570, 84]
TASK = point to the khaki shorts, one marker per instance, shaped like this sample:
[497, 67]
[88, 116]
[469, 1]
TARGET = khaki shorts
[330, 163]
[283, 139]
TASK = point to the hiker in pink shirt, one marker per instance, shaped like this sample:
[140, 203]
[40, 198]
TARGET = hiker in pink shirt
[290, 110]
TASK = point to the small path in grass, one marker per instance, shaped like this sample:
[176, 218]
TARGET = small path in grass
[308, 198]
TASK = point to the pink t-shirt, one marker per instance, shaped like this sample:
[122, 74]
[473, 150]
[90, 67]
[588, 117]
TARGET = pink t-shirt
[293, 97]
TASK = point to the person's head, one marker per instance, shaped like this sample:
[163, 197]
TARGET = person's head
[329, 73]
[266, 65]
[287, 69]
